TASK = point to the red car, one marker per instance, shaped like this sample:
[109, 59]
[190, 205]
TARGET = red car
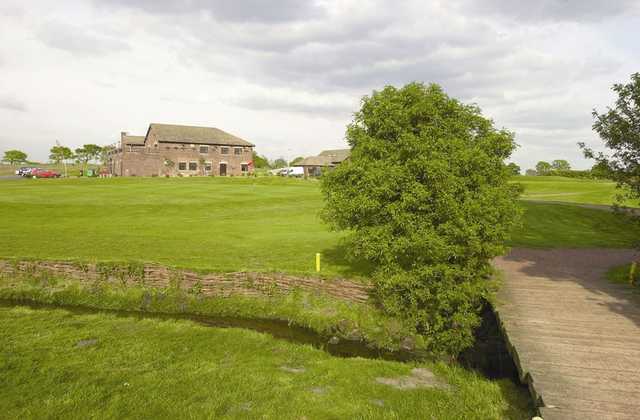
[44, 173]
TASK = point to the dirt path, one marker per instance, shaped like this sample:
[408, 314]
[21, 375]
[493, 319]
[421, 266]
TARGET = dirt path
[575, 336]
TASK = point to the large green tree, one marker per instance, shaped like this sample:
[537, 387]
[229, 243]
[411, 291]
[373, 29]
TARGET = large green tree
[88, 153]
[93, 151]
[514, 168]
[560, 165]
[260, 161]
[82, 156]
[619, 129]
[426, 197]
[543, 168]
[59, 154]
[13, 157]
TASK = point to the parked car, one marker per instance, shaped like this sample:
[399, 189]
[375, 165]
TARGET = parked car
[24, 171]
[45, 173]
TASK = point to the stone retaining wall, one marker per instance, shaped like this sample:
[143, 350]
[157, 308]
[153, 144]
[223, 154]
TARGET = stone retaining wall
[210, 284]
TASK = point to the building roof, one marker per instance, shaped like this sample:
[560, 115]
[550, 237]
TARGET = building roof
[336, 155]
[169, 133]
[137, 140]
[315, 161]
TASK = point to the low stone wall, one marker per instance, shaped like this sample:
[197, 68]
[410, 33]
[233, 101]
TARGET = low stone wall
[210, 284]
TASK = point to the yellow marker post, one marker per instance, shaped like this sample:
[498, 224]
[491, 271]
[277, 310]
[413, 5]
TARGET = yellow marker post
[318, 262]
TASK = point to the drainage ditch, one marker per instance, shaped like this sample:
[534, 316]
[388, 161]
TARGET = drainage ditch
[489, 355]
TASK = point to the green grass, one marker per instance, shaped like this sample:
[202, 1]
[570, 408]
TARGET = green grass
[226, 224]
[221, 224]
[568, 226]
[148, 368]
[326, 316]
[620, 275]
[571, 190]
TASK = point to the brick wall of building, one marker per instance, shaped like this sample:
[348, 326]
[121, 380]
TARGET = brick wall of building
[164, 159]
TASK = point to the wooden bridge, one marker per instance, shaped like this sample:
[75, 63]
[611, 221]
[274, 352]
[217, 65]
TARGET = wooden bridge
[574, 336]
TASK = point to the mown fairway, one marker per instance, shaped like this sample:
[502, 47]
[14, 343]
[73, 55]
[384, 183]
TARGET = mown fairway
[227, 224]
[219, 224]
[570, 190]
[54, 364]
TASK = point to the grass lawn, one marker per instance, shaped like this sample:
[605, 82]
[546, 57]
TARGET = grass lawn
[568, 226]
[620, 275]
[222, 224]
[571, 190]
[227, 224]
[55, 364]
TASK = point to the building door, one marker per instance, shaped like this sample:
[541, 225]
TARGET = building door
[223, 169]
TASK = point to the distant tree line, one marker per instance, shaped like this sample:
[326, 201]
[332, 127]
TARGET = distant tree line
[561, 167]
[61, 154]
[262, 162]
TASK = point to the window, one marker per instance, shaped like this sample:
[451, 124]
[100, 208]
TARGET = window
[244, 167]
[208, 166]
[204, 149]
[182, 166]
[193, 166]
[237, 150]
[224, 150]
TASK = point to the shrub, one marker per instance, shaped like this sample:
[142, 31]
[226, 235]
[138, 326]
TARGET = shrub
[426, 197]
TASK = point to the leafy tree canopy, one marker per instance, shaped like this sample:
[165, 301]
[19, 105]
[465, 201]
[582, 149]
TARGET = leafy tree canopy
[13, 157]
[260, 161]
[531, 172]
[296, 160]
[543, 168]
[60, 153]
[426, 199]
[514, 169]
[103, 157]
[81, 155]
[619, 129]
[560, 165]
[279, 163]
[93, 151]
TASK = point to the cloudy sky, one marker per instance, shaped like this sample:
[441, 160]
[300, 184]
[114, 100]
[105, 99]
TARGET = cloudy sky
[288, 74]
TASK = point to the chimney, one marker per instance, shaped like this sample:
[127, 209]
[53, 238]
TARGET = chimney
[123, 134]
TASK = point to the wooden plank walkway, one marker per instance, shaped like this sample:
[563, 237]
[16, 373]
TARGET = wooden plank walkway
[574, 336]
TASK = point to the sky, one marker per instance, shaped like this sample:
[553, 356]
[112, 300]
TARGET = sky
[288, 75]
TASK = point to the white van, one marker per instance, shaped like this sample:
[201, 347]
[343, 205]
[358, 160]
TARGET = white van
[296, 171]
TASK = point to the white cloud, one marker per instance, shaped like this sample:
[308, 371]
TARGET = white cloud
[288, 75]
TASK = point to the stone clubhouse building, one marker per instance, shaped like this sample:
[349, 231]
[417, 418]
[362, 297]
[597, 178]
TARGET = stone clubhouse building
[180, 150]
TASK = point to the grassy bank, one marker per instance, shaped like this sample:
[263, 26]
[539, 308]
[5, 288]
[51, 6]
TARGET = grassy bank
[226, 224]
[100, 365]
[324, 315]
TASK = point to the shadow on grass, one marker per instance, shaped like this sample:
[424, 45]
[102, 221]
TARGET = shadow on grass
[518, 399]
[347, 265]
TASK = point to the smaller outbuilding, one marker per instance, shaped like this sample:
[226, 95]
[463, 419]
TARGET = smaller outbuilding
[316, 165]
